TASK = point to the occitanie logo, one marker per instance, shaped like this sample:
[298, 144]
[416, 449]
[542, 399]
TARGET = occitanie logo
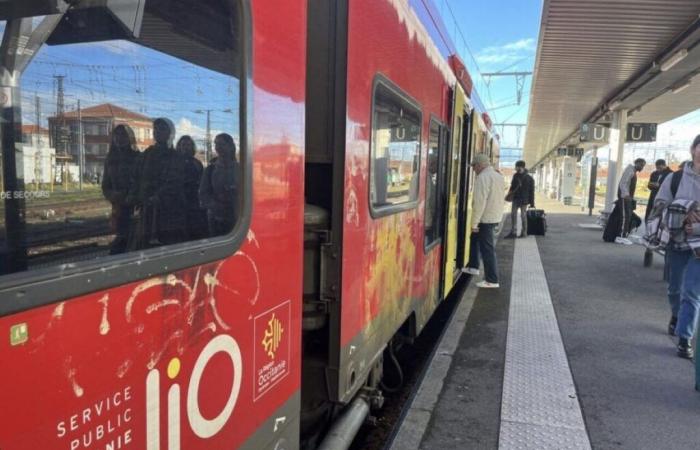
[273, 336]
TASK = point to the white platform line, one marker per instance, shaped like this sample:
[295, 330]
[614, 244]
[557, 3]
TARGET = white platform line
[540, 408]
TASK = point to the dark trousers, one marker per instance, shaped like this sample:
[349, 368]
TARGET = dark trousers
[626, 204]
[121, 223]
[218, 226]
[482, 244]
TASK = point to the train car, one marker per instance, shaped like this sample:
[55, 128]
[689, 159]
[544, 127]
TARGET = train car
[336, 215]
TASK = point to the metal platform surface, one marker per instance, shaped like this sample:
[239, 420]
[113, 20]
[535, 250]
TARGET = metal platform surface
[540, 408]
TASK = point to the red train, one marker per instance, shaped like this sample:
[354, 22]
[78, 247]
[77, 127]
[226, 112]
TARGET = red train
[354, 122]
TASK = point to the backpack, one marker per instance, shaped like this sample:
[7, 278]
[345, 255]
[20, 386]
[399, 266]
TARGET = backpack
[676, 181]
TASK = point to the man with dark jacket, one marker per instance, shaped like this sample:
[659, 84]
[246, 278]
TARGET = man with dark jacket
[159, 192]
[655, 181]
[522, 195]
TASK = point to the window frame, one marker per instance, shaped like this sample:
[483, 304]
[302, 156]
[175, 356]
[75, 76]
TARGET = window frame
[387, 210]
[34, 288]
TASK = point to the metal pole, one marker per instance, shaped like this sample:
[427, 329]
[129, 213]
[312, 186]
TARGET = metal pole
[81, 151]
[618, 135]
[591, 187]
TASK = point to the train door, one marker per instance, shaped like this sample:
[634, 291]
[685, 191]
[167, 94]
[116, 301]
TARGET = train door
[464, 202]
[454, 167]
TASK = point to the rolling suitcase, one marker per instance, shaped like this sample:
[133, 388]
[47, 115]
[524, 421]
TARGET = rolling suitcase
[536, 222]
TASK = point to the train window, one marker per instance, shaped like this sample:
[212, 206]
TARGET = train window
[435, 188]
[395, 150]
[122, 132]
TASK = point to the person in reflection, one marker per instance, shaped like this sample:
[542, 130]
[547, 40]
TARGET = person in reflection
[218, 191]
[159, 192]
[196, 216]
[120, 164]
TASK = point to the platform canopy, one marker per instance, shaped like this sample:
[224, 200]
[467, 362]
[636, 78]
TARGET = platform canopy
[597, 56]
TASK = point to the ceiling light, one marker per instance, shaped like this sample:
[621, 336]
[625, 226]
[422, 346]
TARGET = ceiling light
[681, 87]
[674, 59]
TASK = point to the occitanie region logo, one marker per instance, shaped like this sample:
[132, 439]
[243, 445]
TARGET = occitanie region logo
[271, 359]
[273, 336]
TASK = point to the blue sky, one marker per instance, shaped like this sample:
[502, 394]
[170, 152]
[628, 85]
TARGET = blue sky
[500, 35]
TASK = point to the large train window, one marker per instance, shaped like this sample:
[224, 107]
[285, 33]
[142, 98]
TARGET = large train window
[395, 150]
[122, 129]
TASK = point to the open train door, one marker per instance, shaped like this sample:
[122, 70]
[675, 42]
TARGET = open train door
[465, 181]
[453, 191]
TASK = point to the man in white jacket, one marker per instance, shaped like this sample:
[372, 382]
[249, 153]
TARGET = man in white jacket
[487, 210]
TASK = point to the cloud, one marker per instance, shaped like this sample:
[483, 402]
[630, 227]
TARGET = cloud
[507, 53]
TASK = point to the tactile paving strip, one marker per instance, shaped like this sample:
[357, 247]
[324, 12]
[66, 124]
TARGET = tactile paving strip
[540, 408]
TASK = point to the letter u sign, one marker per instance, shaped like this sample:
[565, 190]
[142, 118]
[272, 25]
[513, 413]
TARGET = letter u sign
[636, 133]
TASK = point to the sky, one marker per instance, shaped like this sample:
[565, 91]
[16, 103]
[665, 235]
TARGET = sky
[497, 36]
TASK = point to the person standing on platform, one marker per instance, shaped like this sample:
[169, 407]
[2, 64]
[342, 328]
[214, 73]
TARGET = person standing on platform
[683, 251]
[487, 211]
[522, 195]
[625, 193]
[655, 181]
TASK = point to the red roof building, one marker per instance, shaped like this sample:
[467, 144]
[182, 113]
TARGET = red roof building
[97, 124]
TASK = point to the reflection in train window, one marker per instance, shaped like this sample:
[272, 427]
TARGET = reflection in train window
[395, 148]
[121, 135]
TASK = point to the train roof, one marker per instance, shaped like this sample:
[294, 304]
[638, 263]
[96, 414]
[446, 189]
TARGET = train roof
[432, 20]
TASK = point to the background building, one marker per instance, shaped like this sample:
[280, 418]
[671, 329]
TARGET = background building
[97, 123]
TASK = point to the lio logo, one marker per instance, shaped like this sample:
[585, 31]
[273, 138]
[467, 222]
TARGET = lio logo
[204, 428]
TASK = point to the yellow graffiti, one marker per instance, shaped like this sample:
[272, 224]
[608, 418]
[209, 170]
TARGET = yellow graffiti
[273, 336]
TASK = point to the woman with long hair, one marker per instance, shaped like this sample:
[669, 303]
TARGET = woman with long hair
[117, 179]
[196, 216]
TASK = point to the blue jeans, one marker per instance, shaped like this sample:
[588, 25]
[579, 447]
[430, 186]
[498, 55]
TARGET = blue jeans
[689, 287]
[677, 261]
[482, 243]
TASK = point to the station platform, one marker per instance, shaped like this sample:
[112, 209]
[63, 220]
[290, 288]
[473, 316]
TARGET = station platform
[570, 352]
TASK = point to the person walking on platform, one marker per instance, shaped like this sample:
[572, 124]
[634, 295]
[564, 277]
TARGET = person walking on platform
[655, 181]
[679, 197]
[486, 215]
[522, 195]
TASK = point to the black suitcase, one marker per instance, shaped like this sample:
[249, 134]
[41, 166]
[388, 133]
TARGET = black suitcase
[536, 222]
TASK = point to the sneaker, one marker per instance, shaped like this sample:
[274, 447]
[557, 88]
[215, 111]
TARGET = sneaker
[486, 285]
[470, 271]
[685, 348]
[672, 326]
[625, 241]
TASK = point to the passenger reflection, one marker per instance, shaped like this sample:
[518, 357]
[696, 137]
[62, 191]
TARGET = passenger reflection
[159, 192]
[120, 164]
[218, 192]
[196, 215]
